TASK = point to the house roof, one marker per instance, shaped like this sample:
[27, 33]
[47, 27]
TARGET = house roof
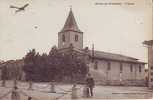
[149, 43]
[70, 24]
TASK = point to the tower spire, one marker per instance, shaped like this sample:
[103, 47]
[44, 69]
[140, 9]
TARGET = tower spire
[70, 35]
[70, 24]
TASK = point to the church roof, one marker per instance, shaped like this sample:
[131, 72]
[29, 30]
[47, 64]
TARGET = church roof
[101, 55]
[114, 57]
[70, 24]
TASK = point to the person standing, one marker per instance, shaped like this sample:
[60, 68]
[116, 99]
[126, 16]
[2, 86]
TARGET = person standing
[74, 92]
[90, 83]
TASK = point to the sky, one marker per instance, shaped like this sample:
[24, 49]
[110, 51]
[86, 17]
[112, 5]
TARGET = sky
[111, 28]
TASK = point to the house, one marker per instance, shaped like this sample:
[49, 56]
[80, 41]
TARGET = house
[149, 45]
[13, 69]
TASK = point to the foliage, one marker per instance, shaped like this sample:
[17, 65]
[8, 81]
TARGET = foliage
[4, 73]
[54, 66]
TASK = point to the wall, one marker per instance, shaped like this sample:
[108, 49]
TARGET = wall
[70, 38]
[77, 44]
[113, 76]
[0, 74]
[150, 64]
[67, 39]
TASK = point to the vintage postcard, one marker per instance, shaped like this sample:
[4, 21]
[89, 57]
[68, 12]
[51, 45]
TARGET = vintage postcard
[76, 49]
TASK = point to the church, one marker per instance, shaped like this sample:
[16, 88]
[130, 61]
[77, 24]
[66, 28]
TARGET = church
[106, 68]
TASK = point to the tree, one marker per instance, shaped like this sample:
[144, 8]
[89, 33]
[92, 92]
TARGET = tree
[29, 62]
[4, 75]
[54, 66]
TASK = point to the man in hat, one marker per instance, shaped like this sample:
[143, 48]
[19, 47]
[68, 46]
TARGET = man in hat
[90, 83]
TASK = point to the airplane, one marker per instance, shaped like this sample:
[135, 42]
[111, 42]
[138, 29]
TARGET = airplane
[19, 8]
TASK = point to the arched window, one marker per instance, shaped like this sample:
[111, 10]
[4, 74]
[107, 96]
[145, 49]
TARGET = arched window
[76, 38]
[63, 38]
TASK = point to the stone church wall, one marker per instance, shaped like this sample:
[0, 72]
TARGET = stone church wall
[114, 76]
[77, 44]
[60, 42]
[70, 38]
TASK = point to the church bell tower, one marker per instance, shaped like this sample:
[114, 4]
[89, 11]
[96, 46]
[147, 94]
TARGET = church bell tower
[70, 34]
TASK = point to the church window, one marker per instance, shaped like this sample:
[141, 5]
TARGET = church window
[151, 67]
[151, 79]
[131, 68]
[96, 65]
[108, 66]
[121, 67]
[63, 38]
[76, 38]
[140, 68]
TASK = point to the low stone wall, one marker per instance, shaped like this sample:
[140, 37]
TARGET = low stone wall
[122, 83]
[134, 82]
